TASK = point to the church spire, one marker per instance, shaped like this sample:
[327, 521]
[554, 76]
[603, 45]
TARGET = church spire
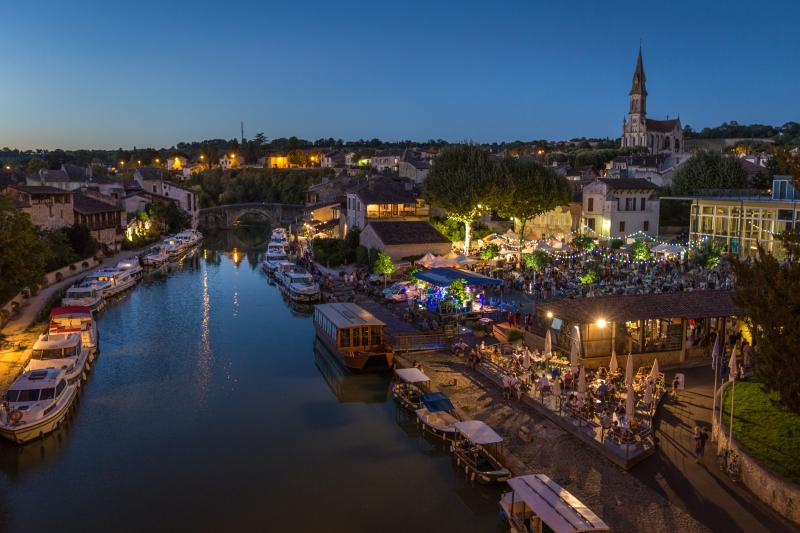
[638, 94]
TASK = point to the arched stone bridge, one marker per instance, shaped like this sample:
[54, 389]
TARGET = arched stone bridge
[228, 216]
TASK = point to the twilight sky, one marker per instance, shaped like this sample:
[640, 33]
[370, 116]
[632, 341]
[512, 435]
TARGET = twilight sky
[108, 73]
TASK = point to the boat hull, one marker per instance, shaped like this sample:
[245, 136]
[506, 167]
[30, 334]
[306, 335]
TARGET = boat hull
[360, 361]
[21, 434]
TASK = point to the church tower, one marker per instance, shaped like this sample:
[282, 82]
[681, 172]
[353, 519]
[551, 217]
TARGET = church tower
[638, 94]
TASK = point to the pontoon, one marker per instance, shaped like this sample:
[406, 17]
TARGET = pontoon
[62, 351]
[477, 449]
[354, 335]
[536, 503]
[36, 404]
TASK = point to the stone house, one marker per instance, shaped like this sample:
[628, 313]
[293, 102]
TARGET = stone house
[49, 207]
[616, 208]
[404, 239]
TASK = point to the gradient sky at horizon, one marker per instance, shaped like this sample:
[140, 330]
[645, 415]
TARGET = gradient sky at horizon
[148, 73]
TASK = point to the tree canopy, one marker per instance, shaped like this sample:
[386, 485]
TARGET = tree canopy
[22, 255]
[461, 183]
[709, 170]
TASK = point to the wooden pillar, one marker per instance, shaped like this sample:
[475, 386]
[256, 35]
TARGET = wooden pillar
[684, 323]
[613, 339]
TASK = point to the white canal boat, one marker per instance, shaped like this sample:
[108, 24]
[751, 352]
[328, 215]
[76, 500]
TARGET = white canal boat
[76, 320]
[63, 351]
[301, 287]
[156, 256]
[131, 266]
[85, 293]
[276, 254]
[36, 404]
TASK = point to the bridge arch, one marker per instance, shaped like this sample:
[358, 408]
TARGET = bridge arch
[227, 216]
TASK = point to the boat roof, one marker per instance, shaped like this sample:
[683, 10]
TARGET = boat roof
[56, 340]
[436, 402]
[477, 432]
[37, 379]
[346, 315]
[557, 508]
[411, 375]
[71, 311]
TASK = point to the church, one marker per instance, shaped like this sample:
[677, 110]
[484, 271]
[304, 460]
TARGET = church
[658, 136]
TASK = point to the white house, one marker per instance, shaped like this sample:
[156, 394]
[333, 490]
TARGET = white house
[228, 161]
[616, 208]
[152, 180]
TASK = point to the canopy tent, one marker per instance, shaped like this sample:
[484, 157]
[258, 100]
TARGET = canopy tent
[427, 260]
[548, 344]
[411, 375]
[463, 260]
[560, 510]
[511, 235]
[443, 277]
[613, 365]
[494, 238]
[629, 370]
[668, 249]
[630, 403]
[436, 402]
[477, 432]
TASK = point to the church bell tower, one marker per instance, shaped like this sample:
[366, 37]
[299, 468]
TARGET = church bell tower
[638, 95]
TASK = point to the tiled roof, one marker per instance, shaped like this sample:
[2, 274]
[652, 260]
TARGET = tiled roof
[630, 307]
[56, 175]
[150, 173]
[86, 205]
[627, 183]
[39, 189]
[385, 190]
[75, 172]
[662, 126]
[398, 232]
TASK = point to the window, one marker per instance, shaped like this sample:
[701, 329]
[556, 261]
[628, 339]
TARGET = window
[30, 395]
[12, 395]
[622, 226]
[344, 341]
[642, 203]
[630, 204]
[365, 336]
[590, 204]
[47, 394]
[646, 226]
[60, 387]
[590, 224]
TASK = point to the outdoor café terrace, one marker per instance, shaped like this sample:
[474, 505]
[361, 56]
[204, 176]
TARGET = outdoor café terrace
[673, 327]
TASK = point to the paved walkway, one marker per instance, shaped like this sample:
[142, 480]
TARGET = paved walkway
[702, 489]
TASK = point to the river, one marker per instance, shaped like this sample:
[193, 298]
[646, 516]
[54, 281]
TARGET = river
[209, 409]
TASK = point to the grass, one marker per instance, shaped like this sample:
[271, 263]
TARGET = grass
[769, 431]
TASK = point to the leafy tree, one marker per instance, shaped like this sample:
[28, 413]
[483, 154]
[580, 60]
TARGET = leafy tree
[35, 165]
[454, 230]
[169, 217]
[591, 273]
[768, 293]
[709, 170]
[298, 158]
[640, 251]
[81, 240]
[526, 189]
[489, 252]
[784, 163]
[460, 183]
[535, 261]
[708, 254]
[60, 252]
[383, 265]
[616, 244]
[458, 291]
[22, 255]
[583, 242]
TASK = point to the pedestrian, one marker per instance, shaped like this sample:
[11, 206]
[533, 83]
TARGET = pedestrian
[698, 444]
[746, 354]
[675, 383]
[703, 440]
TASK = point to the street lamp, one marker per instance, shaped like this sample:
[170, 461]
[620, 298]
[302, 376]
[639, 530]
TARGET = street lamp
[549, 314]
[601, 322]
[202, 157]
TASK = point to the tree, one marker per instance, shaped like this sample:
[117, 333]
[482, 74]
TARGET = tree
[458, 291]
[460, 183]
[591, 273]
[784, 163]
[383, 265]
[640, 251]
[583, 243]
[81, 240]
[489, 252]
[535, 261]
[22, 254]
[35, 165]
[526, 189]
[707, 254]
[709, 170]
[298, 158]
[768, 293]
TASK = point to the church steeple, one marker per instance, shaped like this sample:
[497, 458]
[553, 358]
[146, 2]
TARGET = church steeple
[638, 94]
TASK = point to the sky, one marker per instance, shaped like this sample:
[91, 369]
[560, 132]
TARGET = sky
[108, 74]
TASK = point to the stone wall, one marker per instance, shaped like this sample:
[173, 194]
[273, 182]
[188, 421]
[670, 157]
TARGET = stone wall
[777, 492]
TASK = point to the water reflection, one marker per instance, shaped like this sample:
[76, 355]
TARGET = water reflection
[348, 387]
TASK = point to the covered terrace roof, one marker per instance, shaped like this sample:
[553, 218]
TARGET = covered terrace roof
[443, 277]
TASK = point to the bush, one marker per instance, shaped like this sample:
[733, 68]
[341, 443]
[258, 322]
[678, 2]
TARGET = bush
[616, 244]
[336, 252]
[490, 252]
[362, 255]
[590, 274]
[515, 335]
[640, 251]
[583, 242]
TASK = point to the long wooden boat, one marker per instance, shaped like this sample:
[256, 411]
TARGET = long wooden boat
[354, 335]
[477, 451]
[408, 386]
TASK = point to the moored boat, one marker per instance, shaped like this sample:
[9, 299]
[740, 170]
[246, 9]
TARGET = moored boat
[62, 351]
[276, 254]
[36, 404]
[280, 235]
[537, 503]
[301, 287]
[155, 256]
[173, 247]
[408, 387]
[477, 449]
[112, 280]
[132, 267]
[354, 335]
[436, 416]
[85, 293]
[76, 320]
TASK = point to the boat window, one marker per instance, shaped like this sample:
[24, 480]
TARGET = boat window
[345, 338]
[12, 395]
[28, 395]
[50, 353]
[47, 394]
[356, 339]
[60, 387]
[377, 335]
[365, 336]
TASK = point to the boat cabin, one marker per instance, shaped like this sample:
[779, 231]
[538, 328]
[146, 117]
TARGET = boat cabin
[37, 385]
[57, 346]
[349, 327]
[537, 504]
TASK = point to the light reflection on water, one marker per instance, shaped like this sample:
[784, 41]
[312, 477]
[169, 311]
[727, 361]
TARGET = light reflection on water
[198, 419]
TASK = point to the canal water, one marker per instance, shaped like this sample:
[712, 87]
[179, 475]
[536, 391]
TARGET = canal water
[210, 410]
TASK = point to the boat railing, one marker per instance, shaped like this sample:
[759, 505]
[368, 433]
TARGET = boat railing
[410, 342]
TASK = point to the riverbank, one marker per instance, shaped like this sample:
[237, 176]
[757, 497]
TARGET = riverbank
[23, 330]
[624, 502]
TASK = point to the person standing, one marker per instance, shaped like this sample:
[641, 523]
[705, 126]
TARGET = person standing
[703, 440]
[698, 444]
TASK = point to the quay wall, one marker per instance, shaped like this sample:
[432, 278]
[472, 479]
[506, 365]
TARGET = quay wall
[779, 493]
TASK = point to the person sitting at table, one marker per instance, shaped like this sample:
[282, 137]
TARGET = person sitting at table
[555, 372]
[602, 374]
[621, 409]
[568, 377]
[602, 392]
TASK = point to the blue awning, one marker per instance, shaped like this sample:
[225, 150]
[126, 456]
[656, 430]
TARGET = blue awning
[436, 401]
[443, 277]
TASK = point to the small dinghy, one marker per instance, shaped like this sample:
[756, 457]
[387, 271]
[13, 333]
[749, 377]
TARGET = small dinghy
[436, 416]
[408, 387]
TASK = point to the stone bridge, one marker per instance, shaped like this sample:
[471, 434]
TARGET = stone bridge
[228, 216]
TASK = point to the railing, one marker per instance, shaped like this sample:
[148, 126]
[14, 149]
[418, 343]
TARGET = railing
[409, 342]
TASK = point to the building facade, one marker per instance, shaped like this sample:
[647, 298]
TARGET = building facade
[657, 136]
[104, 220]
[616, 208]
[385, 198]
[49, 207]
[152, 180]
